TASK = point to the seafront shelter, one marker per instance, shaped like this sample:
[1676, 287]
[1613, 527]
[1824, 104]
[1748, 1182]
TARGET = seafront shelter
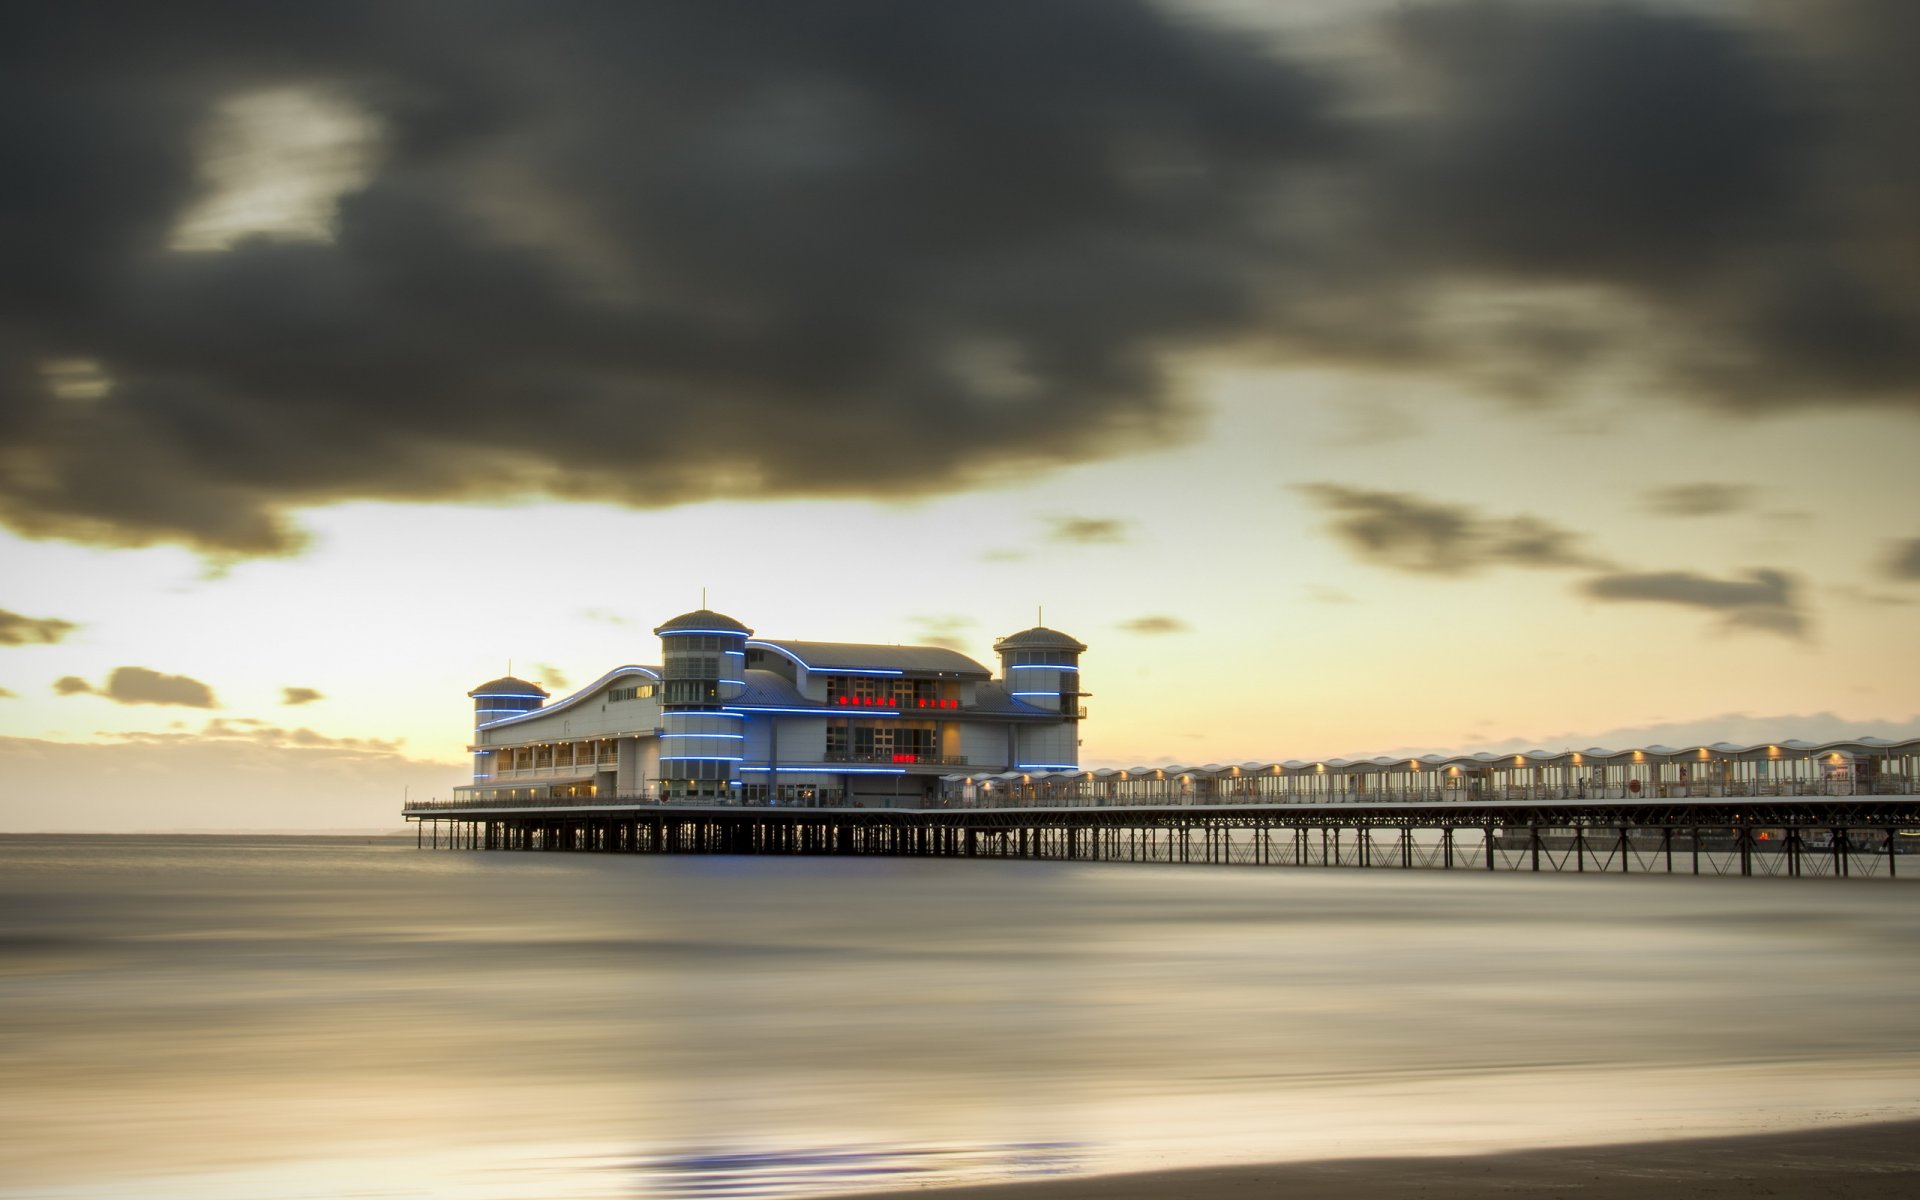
[1862, 766]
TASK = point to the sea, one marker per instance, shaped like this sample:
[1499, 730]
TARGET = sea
[281, 1017]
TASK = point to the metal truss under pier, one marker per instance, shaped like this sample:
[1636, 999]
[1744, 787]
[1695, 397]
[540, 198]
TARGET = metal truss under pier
[1793, 836]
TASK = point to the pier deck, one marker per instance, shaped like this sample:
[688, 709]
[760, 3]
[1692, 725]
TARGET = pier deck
[1793, 836]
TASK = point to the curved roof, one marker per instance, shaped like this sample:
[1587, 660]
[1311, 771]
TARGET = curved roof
[585, 692]
[704, 620]
[1037, 638]
[509, 685]
[854, 656]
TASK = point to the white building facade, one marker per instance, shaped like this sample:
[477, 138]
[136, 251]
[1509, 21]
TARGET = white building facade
[730, 718]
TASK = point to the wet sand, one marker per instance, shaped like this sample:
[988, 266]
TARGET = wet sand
[1853, 1162]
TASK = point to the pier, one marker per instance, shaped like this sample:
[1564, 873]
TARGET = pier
[1789, 836]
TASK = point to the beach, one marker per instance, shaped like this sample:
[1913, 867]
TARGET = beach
[1878, 1161]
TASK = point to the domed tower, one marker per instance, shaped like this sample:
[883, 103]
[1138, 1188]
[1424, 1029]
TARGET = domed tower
[703, 657]
[1042, 668]
[497, 700]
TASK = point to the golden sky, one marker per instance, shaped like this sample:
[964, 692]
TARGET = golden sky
[1450, 376]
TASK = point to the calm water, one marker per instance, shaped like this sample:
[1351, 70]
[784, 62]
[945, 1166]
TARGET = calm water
[268, 1018]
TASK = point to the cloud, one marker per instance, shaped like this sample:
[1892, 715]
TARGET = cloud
[1154, 625]
[1739, 728]
[553, 677]
[1412, 533]
[540, 243]
[951, 630]
[16, 630]
[1698, 499]
[603, 617]
[1087, 531]
[252, 729]
[300, 695]
[1763, 600]
[139, 685]
[1322, 594]
[1903, 560]
[7, 694]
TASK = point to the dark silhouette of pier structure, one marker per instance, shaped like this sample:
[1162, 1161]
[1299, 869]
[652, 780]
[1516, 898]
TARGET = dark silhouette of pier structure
[1789, 836]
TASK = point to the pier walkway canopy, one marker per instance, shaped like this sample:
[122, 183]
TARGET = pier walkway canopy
[1861, 766]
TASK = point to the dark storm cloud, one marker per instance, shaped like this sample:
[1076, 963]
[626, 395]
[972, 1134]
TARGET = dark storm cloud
[1698, 499]
[138, 685]
[1155, 625]
[653, 253]
[1412, 533]
[16, 630]
[1087, 531]
[1903, 560]
[1764, 600]
[300, 695]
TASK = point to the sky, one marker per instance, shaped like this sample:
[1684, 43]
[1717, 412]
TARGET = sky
[1353, 379]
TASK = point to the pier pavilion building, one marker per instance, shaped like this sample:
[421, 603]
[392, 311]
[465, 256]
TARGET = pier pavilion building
[726, 717]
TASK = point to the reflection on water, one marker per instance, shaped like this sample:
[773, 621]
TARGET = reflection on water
[214, 1017]
[838, 1169]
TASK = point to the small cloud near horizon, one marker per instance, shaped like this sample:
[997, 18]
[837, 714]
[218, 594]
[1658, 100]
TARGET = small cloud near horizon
[947, 630]
[139, 685]
[553, 677]
[18, 630]
[1322, 594]
[1154, 625]
[300, 695]
[1902, 562]
[1407, 532]
[1087, 531]
[1764, 601]
[1697, 499]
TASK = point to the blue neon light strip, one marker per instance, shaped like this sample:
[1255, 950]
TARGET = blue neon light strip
[707, 713]
[732, 633]
[701, 758]
[1043, 667]
[735, 653]
[508, 696]
[1054, 695]
[731, 737]
[741, 682]
[825, 670]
